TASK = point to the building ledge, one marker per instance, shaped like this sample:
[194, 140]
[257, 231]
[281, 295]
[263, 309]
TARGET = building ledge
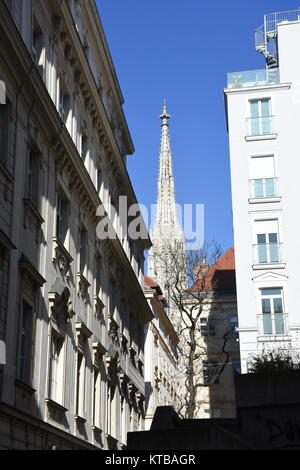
[268, 266]
[258, 88]
[250, 138]
[276, 338]
[25, 387]
[262, 200]
[57, 406]
[97, 429]
[79, 420]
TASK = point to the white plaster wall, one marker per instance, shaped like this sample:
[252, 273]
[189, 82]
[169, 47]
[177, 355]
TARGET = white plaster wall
[286, 109]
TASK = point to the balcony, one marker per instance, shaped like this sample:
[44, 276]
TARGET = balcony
[267, 253]
[261, 125]
[272, 324]
[263, 188]
[253, 78]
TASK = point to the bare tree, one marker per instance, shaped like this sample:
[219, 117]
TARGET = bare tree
[190, 285]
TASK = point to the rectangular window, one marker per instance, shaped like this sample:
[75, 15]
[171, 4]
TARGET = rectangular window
[4, 132]
[25, 346]
[64, 104]
[98, 275]
[236, 364]
[233, 323]
[83, 250]
[80, 385]
[99, 180]
[263, 182]
[37, 50]
[268, 247]
[97, 399]
[32, 183]
[210, 372]
[56, 368]
[260, 121]
[62, 217]
[84, 147]
[207, 327]
[273, 318]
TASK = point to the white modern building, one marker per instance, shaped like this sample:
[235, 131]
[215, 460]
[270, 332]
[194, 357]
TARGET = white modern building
[263, 112]
[72, 306]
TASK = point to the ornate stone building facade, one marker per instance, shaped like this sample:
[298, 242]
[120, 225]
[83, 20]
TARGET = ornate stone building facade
[161, 355]
[72, 307]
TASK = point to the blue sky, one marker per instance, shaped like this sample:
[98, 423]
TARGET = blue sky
[181, 51]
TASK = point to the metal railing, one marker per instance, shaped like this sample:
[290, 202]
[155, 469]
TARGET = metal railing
[260, 125]
[267, 253]
[263, 187]
[272, 324]
[271, 21]
[251, 78]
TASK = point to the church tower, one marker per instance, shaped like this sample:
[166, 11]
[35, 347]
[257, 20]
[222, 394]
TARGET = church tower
[166, 230]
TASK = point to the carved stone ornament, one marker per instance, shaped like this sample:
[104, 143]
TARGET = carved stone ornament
[99, 306]
[124, 342]
[113, 328]
[61, 257]
[99, 351]
[61, 308]
[112, 364]
[83, 285]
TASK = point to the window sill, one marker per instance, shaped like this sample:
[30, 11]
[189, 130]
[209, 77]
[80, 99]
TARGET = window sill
[79, 419]
[261, 200]
[96, 429]
[32, 207]
[268, 266]
[250, 138]
[284, 337]
[24, 386]
[57, 406]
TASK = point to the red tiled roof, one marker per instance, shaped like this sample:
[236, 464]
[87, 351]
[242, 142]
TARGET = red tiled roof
[149, 283]
[221, 276]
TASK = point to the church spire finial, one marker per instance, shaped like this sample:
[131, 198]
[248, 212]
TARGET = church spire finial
[164, 116]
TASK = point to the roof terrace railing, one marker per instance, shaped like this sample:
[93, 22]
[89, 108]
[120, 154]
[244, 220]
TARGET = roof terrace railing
[271, 21]
[251, 78]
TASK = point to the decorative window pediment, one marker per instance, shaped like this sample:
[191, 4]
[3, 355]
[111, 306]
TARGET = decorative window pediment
[270, 276]
[32, 218]
[31, 278]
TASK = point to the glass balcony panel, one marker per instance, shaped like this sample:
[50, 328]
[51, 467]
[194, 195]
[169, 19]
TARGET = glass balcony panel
[261, 125]
[263, 187]
[270, 187]
[272, 324]
[274, 253]
[252, 78]
[267, 253]
[279, 324]
[262, 253]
